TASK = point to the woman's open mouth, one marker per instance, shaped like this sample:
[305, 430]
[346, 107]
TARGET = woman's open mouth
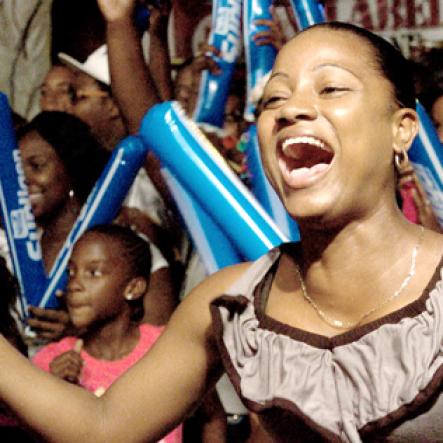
[303, 160]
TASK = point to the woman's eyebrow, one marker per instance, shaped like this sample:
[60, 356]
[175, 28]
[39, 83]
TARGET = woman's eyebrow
[333, 65]
[278, 74]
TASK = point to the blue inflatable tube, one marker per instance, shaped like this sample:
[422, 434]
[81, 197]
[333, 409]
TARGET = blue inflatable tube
[426, 155]
[102, 206]
[214, 248]
[259, 59]
[307, 12]
[263, 190]
[225, 36]
[17, 217]
[199, 167]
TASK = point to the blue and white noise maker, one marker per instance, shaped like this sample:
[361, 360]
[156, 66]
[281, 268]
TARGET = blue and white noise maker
[201, 170]
[225, 36]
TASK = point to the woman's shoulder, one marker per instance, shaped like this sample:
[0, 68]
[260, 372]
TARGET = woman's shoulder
[196, 305]
[219, 282]
[239, 277]
[194, 312]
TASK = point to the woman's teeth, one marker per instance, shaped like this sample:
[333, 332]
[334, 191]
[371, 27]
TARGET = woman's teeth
[305, 140]
[305, 159]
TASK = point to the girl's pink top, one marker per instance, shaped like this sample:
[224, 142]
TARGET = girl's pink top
[97, 375]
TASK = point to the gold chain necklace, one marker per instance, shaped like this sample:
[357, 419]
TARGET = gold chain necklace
[339, 324]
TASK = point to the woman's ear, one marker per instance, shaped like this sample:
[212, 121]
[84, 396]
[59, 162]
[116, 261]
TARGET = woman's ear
[111, 109]
[136, 288]
[404, 129]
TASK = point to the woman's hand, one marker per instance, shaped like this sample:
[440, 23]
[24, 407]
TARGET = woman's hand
[203, 60]
[49, 324]
[116, 10]
[158, 20]
[68, 366]
[274, 35]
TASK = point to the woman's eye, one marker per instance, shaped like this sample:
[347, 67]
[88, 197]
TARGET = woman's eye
[330, 90]
[38, 166]
[70, 272]
[269, 102]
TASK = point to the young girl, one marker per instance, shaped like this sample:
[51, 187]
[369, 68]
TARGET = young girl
[109, 274]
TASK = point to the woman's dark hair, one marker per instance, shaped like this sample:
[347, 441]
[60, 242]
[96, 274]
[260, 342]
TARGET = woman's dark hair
[82, 155]
[9, 292]
[390, 61]
[137, 253]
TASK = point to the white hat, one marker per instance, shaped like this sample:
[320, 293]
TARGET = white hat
[96, 65]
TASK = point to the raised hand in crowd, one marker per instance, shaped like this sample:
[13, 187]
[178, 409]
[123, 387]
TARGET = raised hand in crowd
[126, 61]
[159, 60]
[273, 35]
[117, 10]
[49, 324]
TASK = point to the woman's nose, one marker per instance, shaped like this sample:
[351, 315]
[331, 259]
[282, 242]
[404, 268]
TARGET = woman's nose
[28, 175]
[300, 106]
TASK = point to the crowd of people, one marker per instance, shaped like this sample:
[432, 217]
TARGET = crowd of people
[333, 338]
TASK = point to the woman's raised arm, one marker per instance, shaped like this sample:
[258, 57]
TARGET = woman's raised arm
[146, 402]
[132, 84]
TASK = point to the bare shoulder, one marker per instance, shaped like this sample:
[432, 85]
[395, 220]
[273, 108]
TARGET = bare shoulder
[190, 327]
[194, 311]
[220, 281]
[215, 285]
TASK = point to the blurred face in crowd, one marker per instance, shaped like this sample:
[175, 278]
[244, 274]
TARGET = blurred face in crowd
[185, 89]
[96, 107]
[234, 122]
[437, 116]
[90, 101]
[57, 90]
[46, 176]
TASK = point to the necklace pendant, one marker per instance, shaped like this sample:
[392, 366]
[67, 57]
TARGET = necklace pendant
[337, 323]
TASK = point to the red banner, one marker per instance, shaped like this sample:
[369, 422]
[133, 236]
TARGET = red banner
[387, 15]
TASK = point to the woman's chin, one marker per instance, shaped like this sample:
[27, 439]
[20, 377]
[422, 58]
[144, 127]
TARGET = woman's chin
[313, 212]
[305, 204]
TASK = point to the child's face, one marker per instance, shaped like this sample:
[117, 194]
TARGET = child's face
[97, 279]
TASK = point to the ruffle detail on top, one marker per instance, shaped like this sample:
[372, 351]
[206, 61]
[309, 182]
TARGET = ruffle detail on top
[341, 392]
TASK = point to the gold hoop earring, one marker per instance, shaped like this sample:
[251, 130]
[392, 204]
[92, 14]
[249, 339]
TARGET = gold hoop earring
[404, 168]
[401, 161]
